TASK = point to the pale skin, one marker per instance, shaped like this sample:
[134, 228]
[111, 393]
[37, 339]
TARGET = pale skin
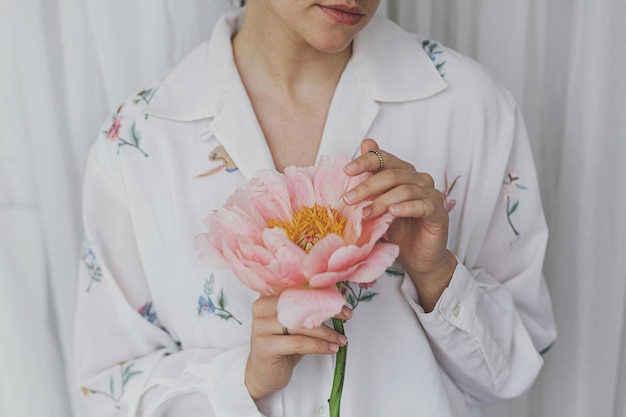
[290, 55]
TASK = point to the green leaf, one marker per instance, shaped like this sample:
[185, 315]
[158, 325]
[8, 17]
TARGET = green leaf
[111, 385]
[208, 285]
[512, 209]
[221, 299]
[351, 299]
[394, 271]
[223, 315]
[134, 134]
[368, 296]
[128, 368]
[131, 375]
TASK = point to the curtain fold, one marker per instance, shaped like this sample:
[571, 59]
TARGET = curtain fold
[564, 62]
[68, 63]
[38, 201]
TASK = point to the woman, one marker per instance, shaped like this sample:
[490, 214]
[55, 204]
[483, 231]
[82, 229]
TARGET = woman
[460, 320]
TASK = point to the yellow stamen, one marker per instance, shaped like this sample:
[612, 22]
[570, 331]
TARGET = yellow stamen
[309, 225]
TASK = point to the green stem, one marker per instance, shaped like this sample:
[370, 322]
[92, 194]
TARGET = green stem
[125, 142]
[340, 371]
[230, 315]
[508, 216]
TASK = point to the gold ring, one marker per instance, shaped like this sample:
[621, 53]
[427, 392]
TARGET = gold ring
[285, 331]
[381, 163]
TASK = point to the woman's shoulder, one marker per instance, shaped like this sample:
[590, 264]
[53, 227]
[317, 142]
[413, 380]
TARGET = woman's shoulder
[466, 78]
[170, 96]
[414, 58]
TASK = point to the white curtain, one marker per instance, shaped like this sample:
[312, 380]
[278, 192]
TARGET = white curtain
[66, 64]
[564, 60]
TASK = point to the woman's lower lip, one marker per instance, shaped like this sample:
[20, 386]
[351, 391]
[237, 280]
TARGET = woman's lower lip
[339, 16]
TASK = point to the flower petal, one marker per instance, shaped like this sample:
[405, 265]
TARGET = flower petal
[300, 187]
[374, 229]
[301, 307]
[269, 195]
[381, 258]
[208, 252]
[288, 258]
[371, 267]
[330, 181]
[252, 276]
[316, 261]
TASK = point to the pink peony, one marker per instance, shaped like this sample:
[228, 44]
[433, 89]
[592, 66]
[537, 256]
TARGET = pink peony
[292, 234]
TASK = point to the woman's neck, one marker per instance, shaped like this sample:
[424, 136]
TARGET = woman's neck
[279, 59]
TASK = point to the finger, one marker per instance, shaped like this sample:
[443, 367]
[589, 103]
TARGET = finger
[370, 161]
[345, 314]
[272, 327]
[415, 208]
[367, 144]
[296, 345]
[397, 180]
[265, 306]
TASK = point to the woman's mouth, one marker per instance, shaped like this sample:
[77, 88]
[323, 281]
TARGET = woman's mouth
[349, 16]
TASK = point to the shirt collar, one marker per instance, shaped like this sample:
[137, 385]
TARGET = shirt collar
[196, 87]
[390, 61]
[394, 63]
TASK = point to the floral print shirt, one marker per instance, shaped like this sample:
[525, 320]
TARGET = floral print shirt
[160, 334]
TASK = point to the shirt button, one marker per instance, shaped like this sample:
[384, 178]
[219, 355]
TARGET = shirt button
[322, 410]
[456, 310]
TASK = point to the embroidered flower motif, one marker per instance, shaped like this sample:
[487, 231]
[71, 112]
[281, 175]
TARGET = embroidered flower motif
[217, 308]
[509, 187]
[134, 137]
[219, 155]
[114, 130]
[144, 95]
[355, 296]
[91, 264]
[433, 49]
[449, 203]
[147, 313]
[115, 395]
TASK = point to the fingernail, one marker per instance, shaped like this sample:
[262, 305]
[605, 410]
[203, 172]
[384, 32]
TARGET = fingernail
[333, 347]
[366, 212]
[349, 197]
[395, 210]
[342, 340]
[350, 168]
[346, 311]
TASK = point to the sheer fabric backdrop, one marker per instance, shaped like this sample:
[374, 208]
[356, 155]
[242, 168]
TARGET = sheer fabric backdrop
[564, 61]
[68, 63]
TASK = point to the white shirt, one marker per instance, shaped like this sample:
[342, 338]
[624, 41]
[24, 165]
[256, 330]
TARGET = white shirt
[159, 334]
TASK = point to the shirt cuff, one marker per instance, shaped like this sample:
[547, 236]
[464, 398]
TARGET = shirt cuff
[455, 309]
[223, 381]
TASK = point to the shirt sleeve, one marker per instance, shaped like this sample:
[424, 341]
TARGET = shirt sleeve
[492, 322]
[127, 363]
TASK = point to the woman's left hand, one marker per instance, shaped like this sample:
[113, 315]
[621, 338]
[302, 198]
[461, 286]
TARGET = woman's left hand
[420, 227]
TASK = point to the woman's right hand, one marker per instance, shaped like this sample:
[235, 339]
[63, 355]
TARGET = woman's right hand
[273, 355]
